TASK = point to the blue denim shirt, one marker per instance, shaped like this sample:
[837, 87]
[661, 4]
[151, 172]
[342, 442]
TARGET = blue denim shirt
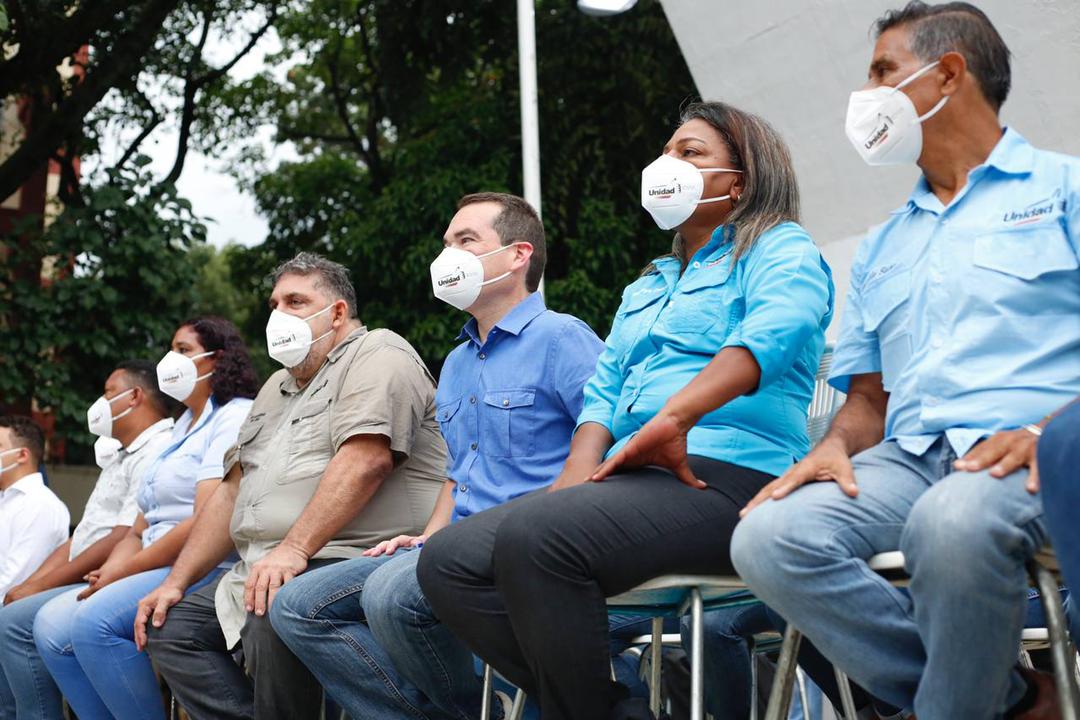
[971, 312]
[776, 302]
[167, 492]
[507, 407]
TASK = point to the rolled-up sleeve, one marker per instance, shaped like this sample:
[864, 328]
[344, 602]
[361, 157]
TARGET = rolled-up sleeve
[857, 351]
[574, 357]
[222, 439]
[602, 391]
[788, 291]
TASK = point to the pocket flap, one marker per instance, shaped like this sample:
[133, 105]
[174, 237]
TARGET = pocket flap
[447, 410]
[884, 297]
[1025, 254]
[508, 399]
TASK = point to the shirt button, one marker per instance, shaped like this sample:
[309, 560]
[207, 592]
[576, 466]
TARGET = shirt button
[506, 403]
[483, 356]
[463, 488]
[697, 264]
[937, 342]
[472, 399]
[936, 277]
[473, 446]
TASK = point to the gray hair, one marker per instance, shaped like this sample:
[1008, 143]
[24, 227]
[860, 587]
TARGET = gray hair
[333, 278]
[771, 191]
[961, 27]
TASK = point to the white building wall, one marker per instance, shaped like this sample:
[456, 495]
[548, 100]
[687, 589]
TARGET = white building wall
[795, 61]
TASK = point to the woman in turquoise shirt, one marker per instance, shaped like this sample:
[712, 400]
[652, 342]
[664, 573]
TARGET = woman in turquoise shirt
[699, 399]
[86, 636]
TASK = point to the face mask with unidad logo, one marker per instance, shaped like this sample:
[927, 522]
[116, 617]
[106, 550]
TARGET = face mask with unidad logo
[106, 450]
[671, 190]
[457, 276]
[883, 124]
[288, 337]
[99, 418]
[177, 375]
[12, 451]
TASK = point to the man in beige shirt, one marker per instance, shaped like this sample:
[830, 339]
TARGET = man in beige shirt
[340, 451]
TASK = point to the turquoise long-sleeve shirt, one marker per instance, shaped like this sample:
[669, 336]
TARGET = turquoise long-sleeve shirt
[776, 302]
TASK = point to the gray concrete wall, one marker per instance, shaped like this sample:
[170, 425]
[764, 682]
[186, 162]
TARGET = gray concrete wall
[795, 61]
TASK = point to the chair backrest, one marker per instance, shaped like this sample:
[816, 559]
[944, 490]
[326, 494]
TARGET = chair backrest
[826, 400]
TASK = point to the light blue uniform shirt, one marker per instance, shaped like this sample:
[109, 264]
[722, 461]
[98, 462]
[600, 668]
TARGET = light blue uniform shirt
[971, 312]
[167, 492]
[776, 302]
[507, 407]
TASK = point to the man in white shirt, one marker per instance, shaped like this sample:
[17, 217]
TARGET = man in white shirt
[140, 431]
[33, 521]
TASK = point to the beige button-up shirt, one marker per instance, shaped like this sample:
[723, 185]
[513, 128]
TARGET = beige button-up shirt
[372, 383]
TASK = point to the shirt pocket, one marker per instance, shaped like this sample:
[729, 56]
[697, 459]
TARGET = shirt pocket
[450, 423]
[1026, 253]
[633, 317]
[885, 311]
[507, 422]
[244, 439]
[310, 447]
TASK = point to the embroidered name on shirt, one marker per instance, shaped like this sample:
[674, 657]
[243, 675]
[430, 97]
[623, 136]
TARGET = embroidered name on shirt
[1035, 212]
[880, 272]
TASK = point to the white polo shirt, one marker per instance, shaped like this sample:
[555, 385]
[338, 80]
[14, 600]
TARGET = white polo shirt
[33, 523]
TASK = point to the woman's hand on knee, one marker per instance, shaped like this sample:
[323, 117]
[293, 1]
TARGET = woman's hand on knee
[660, 442]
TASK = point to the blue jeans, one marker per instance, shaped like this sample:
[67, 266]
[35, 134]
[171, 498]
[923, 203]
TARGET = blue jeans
[25, 683]
[371, 612]
[89, 648]
[965, 536]
[1059, 457]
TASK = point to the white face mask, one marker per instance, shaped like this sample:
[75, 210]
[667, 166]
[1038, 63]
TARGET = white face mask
[884, 125]
[106, 450]
[12, 451]
[671, 190]
[99, 418]
[457, 276]
[288, 337]
[176, 374]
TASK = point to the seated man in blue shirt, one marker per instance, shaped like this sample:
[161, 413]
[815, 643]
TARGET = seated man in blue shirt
[507, 404]
[962, 330]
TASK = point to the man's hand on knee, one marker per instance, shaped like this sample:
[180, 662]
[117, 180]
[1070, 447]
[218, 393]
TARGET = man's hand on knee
[153, 608]
[827, 462]
[281, 565]
[1004, 453]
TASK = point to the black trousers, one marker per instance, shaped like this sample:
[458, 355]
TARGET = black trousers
[524, 584]
[190, 653]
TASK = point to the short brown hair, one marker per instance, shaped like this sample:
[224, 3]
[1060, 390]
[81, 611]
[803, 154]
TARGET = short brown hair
[27, 434]
[517, 222]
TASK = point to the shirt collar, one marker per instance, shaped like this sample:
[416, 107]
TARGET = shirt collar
[144, 437]
[512, 322]
[25, 484]
[1012, 155]
[288, 385]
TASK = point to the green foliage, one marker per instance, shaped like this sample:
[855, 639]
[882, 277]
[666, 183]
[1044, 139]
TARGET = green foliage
[400, 107]
[121, 280]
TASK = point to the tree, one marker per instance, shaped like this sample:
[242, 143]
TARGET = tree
[399, 107]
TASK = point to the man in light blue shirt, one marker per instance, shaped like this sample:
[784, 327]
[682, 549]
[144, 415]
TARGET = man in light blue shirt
[961, 334]
[507, 404]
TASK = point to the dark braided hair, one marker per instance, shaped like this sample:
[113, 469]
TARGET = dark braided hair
[234, 375]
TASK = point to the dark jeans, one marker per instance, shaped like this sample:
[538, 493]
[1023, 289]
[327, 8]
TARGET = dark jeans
[524, 584]
[190, 652]
[1059, 460]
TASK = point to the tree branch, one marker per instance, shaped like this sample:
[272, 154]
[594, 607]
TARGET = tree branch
[342, 107]
[49, 130]
[155, 120]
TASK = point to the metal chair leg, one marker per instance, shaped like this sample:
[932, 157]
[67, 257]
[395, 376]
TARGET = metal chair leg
[780, 694]
[753, 681]
[804, 696]
[485, 699]
[697, 656]
[847, 702]
[1061, 651]
[517, 710]
[655, 660]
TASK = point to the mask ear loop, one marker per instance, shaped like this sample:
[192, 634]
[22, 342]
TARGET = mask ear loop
[722, 197]
[915, 76]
